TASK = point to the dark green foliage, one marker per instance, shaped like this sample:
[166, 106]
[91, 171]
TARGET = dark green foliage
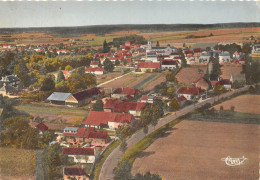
[78, 82]
[123, 172]
[124, 131]
[145, 129]
[238, 84]
[98, 106]
[106, 47]
[6, 59]
[214, 75]
[108, 65]
[135, 39]
[174, 104]
[48, 84]
[183, 59]
[117, 62]
[171, 77]
[232, 108]
[157, 44]
[18, 133]
[22, 72]
[60, 77]
[252, 71]
[146, 116]
[231, 48]
[53, 162]
[157, 114]
[123, 145]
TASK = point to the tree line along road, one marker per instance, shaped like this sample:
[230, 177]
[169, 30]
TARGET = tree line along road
[114, 157]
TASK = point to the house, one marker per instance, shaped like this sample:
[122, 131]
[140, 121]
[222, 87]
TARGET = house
[77, 173]
[152, 66]
[238, 55]
[169, 64]
[11, 80]
[43, 128]
[226, 83]
[58, 98]
[96, 71]
[63, 51]
[83, 97]
[94, 64]
[237, 77]
[110, 120]
[85, 135]
[133, 108]
[181, 100]
[80, 154]
[151, 57]
[124, 93]
[189, 92]
[256, 48]
[147, 99]
[224, 57]
[202, 83]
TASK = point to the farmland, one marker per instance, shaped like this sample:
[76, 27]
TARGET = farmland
[194, 150]
[189, 75]
[244, 103]
[228, 69]
[17, 164]
[107, 77]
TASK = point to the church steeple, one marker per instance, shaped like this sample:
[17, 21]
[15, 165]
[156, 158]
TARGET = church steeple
[149, 44]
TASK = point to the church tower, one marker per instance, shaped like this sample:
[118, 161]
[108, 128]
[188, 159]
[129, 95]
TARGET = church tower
[149, 44]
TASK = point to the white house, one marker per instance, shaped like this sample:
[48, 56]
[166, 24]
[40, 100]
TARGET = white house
[224, 57]
[189, 92]
[96, 71]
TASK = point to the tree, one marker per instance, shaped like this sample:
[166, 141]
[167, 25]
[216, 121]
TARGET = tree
[171, 77]
[145, 129]
[123, 145]
[147, 176]
[146, 116]
[106, 48]
[62, 87]
[77, 81]
[124, 131]
[117, 62]
[183, 59]
[68, 68]
[98, 106]
[60, 77]
[123, 171]
[48, 84]
[157, 113]
[108, 65]
[157, 44]
[18, 133]
[219, 89]
[174, 105]
[171, 92]
[22, 72]
[214, 75]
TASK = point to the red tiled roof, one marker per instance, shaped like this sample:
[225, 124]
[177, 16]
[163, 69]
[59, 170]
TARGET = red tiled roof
[225, 82]
[96, 135]
[128, 91]
[144, 97]
[181, 98]
[111, 103]
[95, 63]
[189, 90]
[148, 65]
[88, 93]
[95, 69]
[97, 118]
[213, 83]
[75, 171]
[125, 107]
[78, 151]
[197, 50]
[42, 127]
[187, 52]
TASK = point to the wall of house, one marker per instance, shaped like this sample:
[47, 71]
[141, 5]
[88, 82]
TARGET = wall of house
[89, 159]
[66, 177]
[168, 67]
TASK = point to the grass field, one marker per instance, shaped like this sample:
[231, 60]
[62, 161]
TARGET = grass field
[54, 114]
[194, 150]
[244, 103]
[17, 163]
[228, 69]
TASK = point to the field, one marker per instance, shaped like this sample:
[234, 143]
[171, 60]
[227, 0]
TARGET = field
[228, 69]
[202, 36]
[17, 164]
[119, 82]
[189, 75]
[54, 114]
[195, 150]
[244, 103]
[107, 77]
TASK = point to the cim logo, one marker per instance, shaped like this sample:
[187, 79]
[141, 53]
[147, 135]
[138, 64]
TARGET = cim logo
[234, 161]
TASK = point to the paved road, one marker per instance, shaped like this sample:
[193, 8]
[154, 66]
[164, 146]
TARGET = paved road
[111, 162]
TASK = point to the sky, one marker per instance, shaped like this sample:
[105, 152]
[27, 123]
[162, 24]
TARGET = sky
[83, 13]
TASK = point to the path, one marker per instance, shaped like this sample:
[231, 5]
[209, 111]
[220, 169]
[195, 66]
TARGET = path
[112, 160]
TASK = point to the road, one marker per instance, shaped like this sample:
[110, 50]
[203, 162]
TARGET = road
[112, 160]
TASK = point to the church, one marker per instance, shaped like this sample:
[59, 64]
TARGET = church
[160, 50]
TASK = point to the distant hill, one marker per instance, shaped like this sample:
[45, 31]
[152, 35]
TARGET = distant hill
[104, 29]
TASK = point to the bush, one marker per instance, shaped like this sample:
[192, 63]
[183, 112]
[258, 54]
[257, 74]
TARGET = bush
[68, 68]
[232, 108]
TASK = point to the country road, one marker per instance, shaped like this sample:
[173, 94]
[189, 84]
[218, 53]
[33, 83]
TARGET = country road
[111, 161]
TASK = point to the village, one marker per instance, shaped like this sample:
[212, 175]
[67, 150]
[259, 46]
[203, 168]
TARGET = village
[109, 93]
